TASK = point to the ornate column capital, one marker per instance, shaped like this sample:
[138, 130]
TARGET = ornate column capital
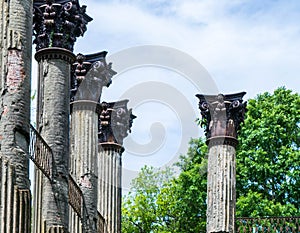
[58, 23]
[89, 74]
[222, 116]
[115, 122]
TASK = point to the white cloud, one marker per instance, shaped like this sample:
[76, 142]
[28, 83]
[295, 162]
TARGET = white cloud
[227, 36]
[243, 42]
[246, 45]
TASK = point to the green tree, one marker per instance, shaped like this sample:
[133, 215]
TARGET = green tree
[139, 208]
[268, 168]
[183, 200]
[268, 173]
[160, 202]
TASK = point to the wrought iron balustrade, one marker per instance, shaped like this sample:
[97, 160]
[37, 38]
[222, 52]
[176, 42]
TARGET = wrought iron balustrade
[40, 153]
[75, 197]
[268, 224]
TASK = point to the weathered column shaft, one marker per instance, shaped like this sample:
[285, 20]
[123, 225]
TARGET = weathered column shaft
[85, 132]
[109, 181]
[15, 76]
[89, 74]
[15, 202]
[56, 26]
[221, 117]
[37, 201]
[221, 189]
[75, 223]
[15, 86]
[53, 124]
[115, 121]
[84, 157]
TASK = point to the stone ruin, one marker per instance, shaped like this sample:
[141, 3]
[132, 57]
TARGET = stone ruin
[76, 144]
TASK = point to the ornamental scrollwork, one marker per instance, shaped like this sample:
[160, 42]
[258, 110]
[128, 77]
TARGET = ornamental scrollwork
[222, 114]
[115, 122]
[58, 23]
[90, 73]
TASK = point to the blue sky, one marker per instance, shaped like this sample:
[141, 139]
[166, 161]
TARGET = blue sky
[250, 46]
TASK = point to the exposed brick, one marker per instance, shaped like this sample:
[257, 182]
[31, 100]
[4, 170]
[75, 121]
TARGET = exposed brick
[15, 75]
[15, 70]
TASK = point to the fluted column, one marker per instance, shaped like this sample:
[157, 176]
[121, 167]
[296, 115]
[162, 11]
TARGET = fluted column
[221, 118]
[115, 121]
[15, 77]
[90, 75]
[15, 202]
[56, 25]
[84, 155]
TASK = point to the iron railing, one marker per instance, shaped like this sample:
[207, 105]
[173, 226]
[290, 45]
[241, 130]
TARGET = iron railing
[40, 153]
[76, 201]
[268, 224]
[75, 197]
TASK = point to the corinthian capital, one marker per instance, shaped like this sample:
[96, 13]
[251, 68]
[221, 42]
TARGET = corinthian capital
[115, 121]
[90, 73]
[58, 23]
[222, 114]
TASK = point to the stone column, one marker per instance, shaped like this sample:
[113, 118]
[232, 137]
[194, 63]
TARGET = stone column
[53, 125]
[91, 73]
[221, 118]
[84, 155]
[15, 76]
[115, 121]
[56, 25]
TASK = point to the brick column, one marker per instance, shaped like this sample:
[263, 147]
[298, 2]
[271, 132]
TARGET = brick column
[53, 125]
[115, 121]
[15, 77]
[56, 25]
[90, 74]
[221, 118]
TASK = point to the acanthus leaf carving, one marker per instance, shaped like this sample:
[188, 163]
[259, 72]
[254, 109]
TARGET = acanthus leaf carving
[222, 114]
[115, 122]
[57, 23]
[90, 73]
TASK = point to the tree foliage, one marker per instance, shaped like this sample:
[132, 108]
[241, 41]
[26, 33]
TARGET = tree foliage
[268, 173]
[183, 200]
[140, 212]
[268, 167]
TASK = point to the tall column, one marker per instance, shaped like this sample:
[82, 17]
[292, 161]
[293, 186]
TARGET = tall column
[84, 128]
[221, 118]
[15, 76]
[56, 25]
[115, 121]
[54, 128]
[91, 73]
